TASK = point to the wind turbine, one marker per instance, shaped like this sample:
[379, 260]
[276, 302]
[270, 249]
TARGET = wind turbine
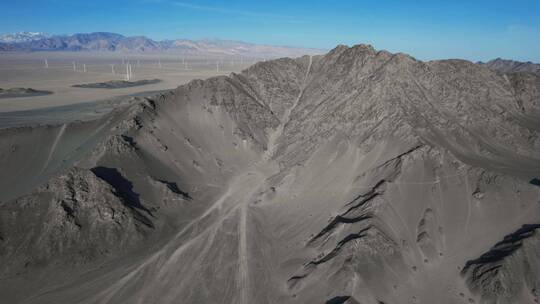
[84, 67]
[217, 66]
[46, 63]
[74, 67]
[159, 62]
[112, 68]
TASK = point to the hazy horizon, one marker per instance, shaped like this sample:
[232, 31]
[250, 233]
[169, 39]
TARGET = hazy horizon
[152, 38]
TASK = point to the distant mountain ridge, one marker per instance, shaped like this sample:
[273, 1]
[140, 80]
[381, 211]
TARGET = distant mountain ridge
[512, 66]
[112, 42]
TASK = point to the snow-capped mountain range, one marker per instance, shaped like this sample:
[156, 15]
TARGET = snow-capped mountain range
[112, 42]
[23, 37]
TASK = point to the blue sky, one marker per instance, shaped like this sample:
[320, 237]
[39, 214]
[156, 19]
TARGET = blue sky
[474, 30]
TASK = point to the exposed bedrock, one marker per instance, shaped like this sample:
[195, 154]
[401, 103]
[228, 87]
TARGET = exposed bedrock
[508, 272]
[358, 176]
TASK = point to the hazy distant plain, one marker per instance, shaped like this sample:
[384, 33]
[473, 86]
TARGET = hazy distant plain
[29, 70]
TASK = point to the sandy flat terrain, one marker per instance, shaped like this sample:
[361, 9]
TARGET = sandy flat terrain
[28, 70]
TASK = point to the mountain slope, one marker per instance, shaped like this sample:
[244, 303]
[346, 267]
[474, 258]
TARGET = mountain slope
[359, 176]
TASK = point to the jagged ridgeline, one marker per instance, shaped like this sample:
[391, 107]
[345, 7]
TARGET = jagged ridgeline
[358, 176]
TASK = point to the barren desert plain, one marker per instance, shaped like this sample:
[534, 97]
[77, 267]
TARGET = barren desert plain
[64, 70]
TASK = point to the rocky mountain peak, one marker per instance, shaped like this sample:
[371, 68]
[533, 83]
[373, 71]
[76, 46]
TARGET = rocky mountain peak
[358, 176]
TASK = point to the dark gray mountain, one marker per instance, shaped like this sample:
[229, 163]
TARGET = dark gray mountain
[115, 42]
[358, 176]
